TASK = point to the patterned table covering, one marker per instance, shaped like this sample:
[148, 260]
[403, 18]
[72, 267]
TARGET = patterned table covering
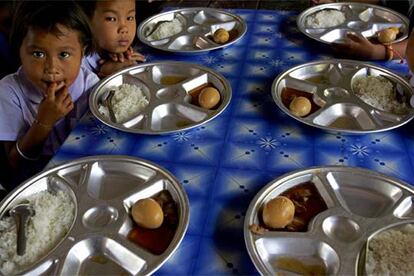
[224, 163]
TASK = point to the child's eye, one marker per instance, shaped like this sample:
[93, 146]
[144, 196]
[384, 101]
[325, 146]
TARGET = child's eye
[110, 18]
[131, 18]
[64, 55]
[38, 54]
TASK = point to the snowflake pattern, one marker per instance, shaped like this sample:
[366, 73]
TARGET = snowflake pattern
[268, 143]
[182, 136]
[99, 130]
[359, 150]
[209, 60]
[277, 63]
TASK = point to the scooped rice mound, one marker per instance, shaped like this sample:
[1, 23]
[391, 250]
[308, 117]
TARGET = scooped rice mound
[54, 214]
[325, 19]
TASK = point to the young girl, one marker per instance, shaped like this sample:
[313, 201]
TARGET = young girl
[41, 102]
[114, 27]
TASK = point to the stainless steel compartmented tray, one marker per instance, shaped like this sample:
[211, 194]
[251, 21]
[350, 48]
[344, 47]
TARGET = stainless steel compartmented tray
[103, 188]
[170, 109]
[335, 95]
[199, 25]
[361, 18]
[360, 203]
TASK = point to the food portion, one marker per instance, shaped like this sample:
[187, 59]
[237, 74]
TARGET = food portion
[391, 252]
[388, 35]
[166, 29]
[144, 233]
[276, 215]
[278, 212]
[221, 36]
[300, 106]
[209, 97]
[205, 96]
[379, 92]
[147, 213]
[300, 103]
[325, 19]
[128, 101]
[54, 215]
[294, 265]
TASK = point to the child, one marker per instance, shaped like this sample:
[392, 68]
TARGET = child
[40, 103]
[114, 27]
[358, 47]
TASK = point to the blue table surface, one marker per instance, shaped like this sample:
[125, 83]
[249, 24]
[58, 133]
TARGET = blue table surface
[224, 163]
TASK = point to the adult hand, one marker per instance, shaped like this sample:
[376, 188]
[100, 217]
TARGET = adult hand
[56, 104]
[357, 46]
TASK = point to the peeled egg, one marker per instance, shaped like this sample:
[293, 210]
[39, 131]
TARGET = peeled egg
[300, 106]
[147, 213]
[388, 35]
[209, 97]
[278, 212]
[221, 36]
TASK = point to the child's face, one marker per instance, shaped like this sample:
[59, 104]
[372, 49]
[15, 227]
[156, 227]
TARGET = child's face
[113, 24]
[48, 58]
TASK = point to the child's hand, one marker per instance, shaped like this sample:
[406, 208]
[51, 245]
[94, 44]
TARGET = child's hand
[107, 67]
[317, 2]
[357, 46]
[56, 105]
[127, 55]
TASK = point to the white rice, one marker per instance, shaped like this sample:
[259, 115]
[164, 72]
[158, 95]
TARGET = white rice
[391, 252]
[378, 92]
[166, 29]
[54, 215]
[128, 101]
[325, 19]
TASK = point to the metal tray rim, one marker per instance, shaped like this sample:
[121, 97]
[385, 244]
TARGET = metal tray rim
[187, 52]
[180, 189]
[258, 262]
[96, 113]
[310, 10]
[280, 76]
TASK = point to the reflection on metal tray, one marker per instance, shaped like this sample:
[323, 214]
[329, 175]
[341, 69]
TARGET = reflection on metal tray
[198, 27]
[360, 18]
[330, 87]
[103, 189]
[169, 87]
[359, 202]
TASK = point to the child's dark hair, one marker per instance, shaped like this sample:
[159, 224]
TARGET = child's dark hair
[46, 15]
[88, 6]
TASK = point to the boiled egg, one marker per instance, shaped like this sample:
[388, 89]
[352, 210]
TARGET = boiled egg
[221, 36]
[209, 97]
[388, 35]
[147, 213]
[278, 212]
[300, 106]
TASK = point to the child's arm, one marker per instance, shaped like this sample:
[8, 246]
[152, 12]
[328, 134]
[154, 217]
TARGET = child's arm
[359, 47]
[130, 54]
[55, 105]
[410, 52]
[117, 62]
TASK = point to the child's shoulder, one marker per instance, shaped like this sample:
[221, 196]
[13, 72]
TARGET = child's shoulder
[10, 84]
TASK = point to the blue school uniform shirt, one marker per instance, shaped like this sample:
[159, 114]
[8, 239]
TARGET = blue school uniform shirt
[91, 62]
[19, 102]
